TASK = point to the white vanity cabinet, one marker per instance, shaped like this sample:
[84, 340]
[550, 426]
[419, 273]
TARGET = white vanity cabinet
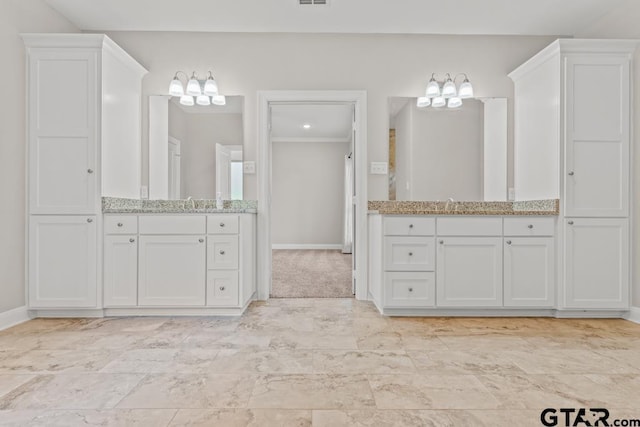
[469, 266]
[529, 262]
[83, 142]
[573, 142]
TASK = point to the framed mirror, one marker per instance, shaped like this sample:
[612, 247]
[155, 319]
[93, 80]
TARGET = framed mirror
[195, 151]
[442, 153]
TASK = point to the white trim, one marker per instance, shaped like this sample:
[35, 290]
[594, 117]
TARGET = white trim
[13, 317]
[634, 315]
[305, 246]
[309, 139]
[359, 99]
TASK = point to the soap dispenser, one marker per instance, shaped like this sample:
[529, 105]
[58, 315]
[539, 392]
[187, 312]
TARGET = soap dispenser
[219, 202]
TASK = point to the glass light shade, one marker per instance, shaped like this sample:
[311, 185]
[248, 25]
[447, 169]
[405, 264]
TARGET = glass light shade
[186, 100]
[448, 89]
[466, 90]
[176, 88]
[193, 87]
[454, 102]
[433, 89]
[219, 100]
[438, 102]
[423, 101]
[210, 87]
[203, 100]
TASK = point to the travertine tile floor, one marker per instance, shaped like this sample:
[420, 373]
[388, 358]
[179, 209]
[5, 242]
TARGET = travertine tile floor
[321, 362]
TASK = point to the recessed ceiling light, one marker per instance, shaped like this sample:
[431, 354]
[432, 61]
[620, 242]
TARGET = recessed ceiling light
[306, 126]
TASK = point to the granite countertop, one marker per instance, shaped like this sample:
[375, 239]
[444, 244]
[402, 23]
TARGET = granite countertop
[529, 207]
[118, 205]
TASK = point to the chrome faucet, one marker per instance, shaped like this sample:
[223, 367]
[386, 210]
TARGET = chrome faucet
[446, 206]
[193, 202]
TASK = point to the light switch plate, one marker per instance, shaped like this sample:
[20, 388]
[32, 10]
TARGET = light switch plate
[144, 192]
[379, 168]
[249, 167]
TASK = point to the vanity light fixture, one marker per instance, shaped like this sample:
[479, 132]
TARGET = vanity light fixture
[200, 92]
[448, 94]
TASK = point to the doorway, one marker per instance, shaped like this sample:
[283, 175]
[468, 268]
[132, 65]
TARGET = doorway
[266, 100]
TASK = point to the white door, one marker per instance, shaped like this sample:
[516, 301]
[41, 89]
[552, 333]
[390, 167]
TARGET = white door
[529, 272]
[62, 132]
[597, 136]
[469, 272]
[596, 263]
[171, 270]
[62, 261]
[120, 271]
[174, 168]
[223, 171]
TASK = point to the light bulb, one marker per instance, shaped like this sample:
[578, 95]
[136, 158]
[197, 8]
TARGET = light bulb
[175, 87]
[423, 101]
[433, 88]
[186, 100]
[466, 90]
[219, 100]
[210, 87]
[193, 86]
[454, 102]
[438, 102]
[203, 100]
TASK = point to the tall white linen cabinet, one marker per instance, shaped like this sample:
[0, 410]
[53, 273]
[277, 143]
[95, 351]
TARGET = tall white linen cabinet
[572, 142]
[83, 142]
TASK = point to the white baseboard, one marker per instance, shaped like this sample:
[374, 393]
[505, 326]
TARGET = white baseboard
[305, 246]
[634, 314]
[13, 317]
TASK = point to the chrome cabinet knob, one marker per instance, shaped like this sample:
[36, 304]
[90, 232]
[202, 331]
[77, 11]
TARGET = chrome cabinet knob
[410, 225]
[89, 170]
[222, 288]
[221, 252]
[570, 173]
[410, 289]
[508, 242]
[120, 224]
[570, 222]
[530, 226]
[222, 224]
[132, 240]
[410, 253]
[89, 220]
[442, 242]
[200, 240]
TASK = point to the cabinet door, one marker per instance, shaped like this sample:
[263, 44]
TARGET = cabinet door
[222, 288]
[62, 131]
[62, 261]
[120, 271]
[597, 136]
[469, 272]
[529, 272]
[172, 271]
[596, 263]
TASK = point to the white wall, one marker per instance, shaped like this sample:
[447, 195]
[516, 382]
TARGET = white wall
[245, 63]
[622, 23]
[307, 201]
[16, 16]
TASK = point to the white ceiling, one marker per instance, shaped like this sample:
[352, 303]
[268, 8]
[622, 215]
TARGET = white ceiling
[523, 17]
[329, 122]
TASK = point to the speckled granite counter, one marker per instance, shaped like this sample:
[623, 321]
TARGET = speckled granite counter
[529, 207]
[118, 205]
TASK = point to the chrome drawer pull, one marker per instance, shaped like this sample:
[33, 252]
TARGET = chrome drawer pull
[410, 253]
[410, 225]
[410, 289]
[200, 240]
[221, 252]
[222, 224]
[132, 240]
[508, 242]
[89, 220]
[222, 288]
[570, 222]
[120, 224]
[530, 226]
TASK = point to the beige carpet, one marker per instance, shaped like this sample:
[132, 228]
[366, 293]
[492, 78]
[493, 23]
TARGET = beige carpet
[311, 274]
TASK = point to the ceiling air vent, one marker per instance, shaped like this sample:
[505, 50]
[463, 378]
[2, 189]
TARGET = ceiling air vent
[312, 2]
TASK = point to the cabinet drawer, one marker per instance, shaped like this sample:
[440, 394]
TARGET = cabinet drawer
[171, 224]
[529, 226]
[222, 288]
[415, 289]
[222, 224]
[222, 252]
[409, 226]
[121, 224]
[409, 253]
[469, 226]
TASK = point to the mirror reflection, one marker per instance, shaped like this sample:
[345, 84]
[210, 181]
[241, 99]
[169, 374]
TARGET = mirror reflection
[195, 151]
[442, 153]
